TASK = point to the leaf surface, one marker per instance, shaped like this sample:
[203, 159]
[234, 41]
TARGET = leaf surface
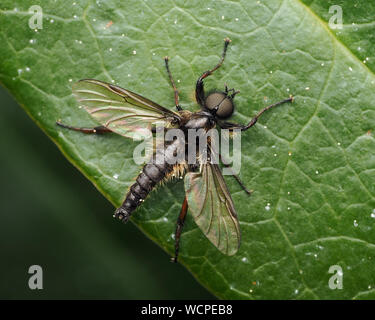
[311, 164]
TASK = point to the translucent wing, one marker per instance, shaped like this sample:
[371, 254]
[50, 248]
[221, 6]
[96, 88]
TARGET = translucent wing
[212, 207]
[120, 110]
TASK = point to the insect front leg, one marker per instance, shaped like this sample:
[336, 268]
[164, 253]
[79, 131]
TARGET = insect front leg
[179, 226]
[95, 130]
[231, 125]
[176, 97]
[199, 88]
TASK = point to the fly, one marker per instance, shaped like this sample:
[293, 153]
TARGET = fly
[206, 194]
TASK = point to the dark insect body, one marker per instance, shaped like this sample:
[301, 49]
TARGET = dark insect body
[151, 174]
[127, 113]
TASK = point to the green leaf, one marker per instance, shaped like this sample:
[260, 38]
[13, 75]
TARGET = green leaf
[311, 163]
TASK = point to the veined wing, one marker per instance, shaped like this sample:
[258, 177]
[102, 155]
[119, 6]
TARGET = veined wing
[120, 110]
[212, 207]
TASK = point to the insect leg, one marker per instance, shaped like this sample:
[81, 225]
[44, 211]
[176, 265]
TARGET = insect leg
[230, 125]
[179, 226]
[97, 130]
[224, 162]
[176, 98]
[199, 89]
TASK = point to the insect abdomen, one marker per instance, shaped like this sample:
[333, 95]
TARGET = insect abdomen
[150, 176]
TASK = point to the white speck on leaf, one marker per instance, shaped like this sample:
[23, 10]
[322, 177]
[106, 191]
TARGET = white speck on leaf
[355, 223]
[115, 176]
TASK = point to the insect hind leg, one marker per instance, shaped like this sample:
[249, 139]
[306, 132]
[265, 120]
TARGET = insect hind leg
[179, 226]
[95, 130]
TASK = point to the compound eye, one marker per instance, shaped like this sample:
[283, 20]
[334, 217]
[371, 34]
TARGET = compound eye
[225, 104]
[225, 109]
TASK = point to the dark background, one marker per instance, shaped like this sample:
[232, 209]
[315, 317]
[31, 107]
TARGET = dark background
[53, 217]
